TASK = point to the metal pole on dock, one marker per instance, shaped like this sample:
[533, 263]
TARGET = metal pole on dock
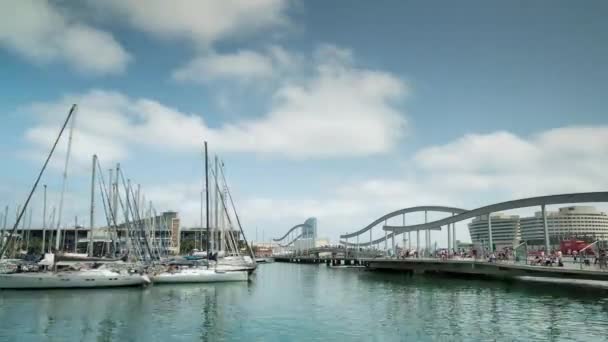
[545, 228]
[449, 238]
[393, 243]
[385, 242]
[427, 233]
[490, 232]
[454, 235]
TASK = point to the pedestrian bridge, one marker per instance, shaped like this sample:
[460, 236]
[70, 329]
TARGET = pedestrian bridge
[458, 215]
[300, 236]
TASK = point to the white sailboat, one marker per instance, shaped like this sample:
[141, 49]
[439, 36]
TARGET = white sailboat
[19, 274]
[228, 258]
[75, 279]
[103, 276]
[200, 274]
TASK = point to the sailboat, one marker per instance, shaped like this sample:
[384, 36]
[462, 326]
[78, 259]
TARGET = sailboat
[47, 273]
[228, 258]
[198, 274]
[71, 277]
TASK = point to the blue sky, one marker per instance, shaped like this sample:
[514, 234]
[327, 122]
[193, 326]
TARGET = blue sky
[338, 110]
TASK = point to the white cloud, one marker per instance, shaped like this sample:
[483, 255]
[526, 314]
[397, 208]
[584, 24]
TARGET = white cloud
[107, 123]
[568, 159]
[244, 65]
[43, 33]
[203, 22]
[339, 111]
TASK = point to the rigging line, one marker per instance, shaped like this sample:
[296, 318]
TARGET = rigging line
[234, 244]
[237, 215]
[29, 197]
[105, 195]
[105, 209]
[64, 182]
[127, 224]
[135, 214]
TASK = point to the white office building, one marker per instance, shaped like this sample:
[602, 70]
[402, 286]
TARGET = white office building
[575, 222]
[505, 230]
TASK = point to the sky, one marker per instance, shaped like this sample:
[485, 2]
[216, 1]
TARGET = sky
[339, 110]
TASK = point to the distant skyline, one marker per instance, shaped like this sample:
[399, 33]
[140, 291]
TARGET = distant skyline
[339, 111]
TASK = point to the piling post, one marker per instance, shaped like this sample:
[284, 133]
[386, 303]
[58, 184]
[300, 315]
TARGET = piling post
[490, 232]
[545, 228]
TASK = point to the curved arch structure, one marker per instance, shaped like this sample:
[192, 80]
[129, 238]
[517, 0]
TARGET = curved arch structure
[388, 236]
[401, 212]
[292, 241]
[368, 244]
[302, 225]
[584, 197]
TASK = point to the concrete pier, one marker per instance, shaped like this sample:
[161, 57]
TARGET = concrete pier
[499, 270]
[465, 267]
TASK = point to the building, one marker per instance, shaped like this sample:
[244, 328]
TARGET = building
[322, 242]
[196, 238]
[505, 230]
[575, 222]
[309, 235]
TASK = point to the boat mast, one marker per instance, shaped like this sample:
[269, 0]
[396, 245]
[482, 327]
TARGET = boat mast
[43, 221]
[48, 158]
[65, 178]
[29, 232]
[2, 241]
[216, 211]
[207, 199]
[236, 215]
[198, 243]
[92, 221]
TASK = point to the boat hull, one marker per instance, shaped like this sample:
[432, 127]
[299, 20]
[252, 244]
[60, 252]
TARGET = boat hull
[199, 276]
[61, 280]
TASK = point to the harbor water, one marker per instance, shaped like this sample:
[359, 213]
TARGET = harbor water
[290, 302]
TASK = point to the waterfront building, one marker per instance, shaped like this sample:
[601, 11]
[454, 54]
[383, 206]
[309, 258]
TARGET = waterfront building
[575, 222]
[309, 235]
[321, 242]
[505, 230]
[196, 238]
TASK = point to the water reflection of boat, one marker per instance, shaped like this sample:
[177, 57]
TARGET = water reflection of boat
[264, 260]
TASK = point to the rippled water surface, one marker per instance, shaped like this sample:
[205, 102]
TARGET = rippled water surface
[287, 302]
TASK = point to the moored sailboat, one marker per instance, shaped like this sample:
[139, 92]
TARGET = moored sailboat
[199, 274]
[100, 277]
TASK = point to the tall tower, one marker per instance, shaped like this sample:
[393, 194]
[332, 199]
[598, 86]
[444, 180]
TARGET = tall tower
[310, 232]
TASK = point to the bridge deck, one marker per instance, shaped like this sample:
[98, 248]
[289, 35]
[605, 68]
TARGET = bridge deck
[459, 267]
[484, 268]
